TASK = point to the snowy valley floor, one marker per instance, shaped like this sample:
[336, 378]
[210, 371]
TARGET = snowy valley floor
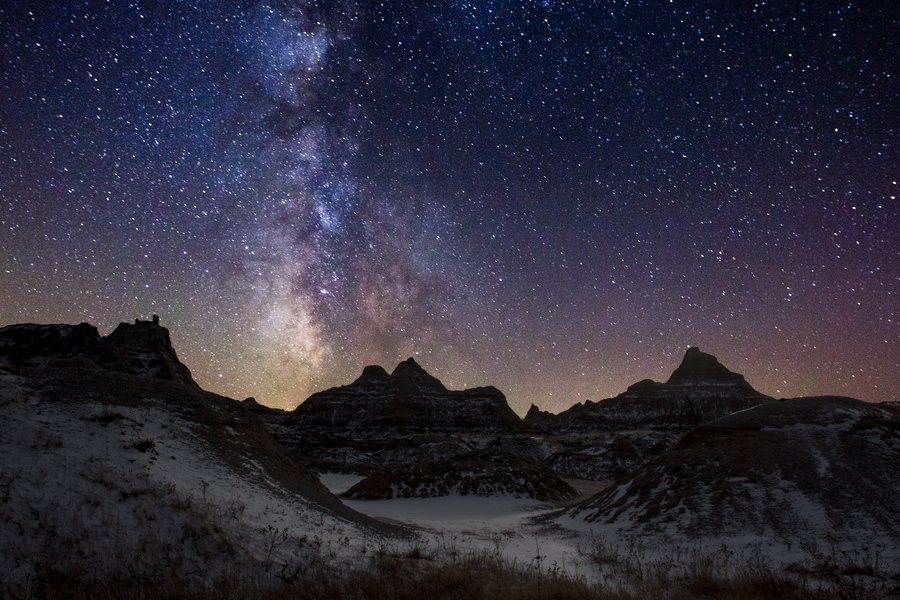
[540, 539]
[514, 529]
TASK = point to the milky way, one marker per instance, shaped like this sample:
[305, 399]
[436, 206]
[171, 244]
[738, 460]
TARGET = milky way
[553, 198]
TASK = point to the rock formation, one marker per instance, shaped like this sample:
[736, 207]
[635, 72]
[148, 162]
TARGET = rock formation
[700, 390]
[143, 349]
[609, 456]
[487, 472]
[803, 467]
[409, 400]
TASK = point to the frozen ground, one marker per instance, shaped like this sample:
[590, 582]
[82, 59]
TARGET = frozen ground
[505, 526]
[165, 485]
[338, 483]
[549, 537]
[155, 489]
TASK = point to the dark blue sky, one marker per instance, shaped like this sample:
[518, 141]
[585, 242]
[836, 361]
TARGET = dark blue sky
[553, 198]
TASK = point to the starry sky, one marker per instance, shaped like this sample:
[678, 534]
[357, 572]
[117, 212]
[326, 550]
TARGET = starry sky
[555, 198]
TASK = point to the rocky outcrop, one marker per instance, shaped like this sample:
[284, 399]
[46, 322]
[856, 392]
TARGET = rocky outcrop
[797, 469]
[325, 453]
[143, 349]
[489, 472]
[610, 456]
[409, 400]
[539, 420]
[700, 390]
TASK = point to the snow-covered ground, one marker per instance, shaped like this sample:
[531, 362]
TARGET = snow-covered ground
[90, 484]
[174, 488]
[107, 489]
[338, 483]
[504, 526]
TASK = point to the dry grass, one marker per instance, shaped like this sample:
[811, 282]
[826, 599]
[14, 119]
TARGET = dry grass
[825, 573]
[416, 572]
[413, 574]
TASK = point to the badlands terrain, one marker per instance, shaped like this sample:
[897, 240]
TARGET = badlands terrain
[121, 477]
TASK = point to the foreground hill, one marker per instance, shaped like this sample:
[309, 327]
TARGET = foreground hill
[409, 400]
[155, 484]
[700, 390]
[796, 471]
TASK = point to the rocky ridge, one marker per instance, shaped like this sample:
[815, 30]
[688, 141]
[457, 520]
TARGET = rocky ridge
[435, 464]
[409, 400]
[143, 349]
[411, 437]
[700, 390]
[489, 472]
[803, 467]
[608, 456]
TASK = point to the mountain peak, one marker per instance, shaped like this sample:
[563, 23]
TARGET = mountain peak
[409, 399]
[699, 390]
[409, 373]
[410, 365]
[697, 366]
[534, 413]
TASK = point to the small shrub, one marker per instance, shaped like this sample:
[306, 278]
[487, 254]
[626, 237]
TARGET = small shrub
[106, 416]
[145, 445]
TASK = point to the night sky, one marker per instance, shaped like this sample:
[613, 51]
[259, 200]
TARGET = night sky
[554, 198]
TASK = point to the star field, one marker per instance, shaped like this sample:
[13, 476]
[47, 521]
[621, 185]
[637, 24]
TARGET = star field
[554, 198]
